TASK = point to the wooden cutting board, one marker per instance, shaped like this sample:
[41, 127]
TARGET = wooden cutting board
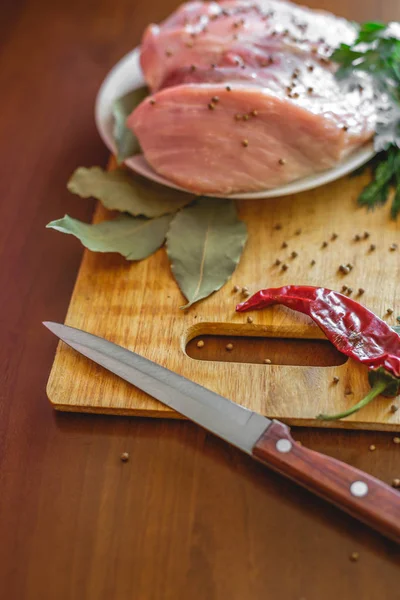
[137, 305]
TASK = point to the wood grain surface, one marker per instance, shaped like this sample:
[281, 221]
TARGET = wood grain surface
[136, 305]
[187, 516]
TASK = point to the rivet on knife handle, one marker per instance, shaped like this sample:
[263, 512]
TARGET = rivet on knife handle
[361, 495]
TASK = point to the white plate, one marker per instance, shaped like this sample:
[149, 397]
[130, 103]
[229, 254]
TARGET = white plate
[127, 75]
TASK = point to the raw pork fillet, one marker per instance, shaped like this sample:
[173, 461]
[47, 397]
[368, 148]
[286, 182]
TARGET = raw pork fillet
[245, 97]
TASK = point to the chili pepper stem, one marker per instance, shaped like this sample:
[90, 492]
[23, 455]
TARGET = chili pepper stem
[377, 389]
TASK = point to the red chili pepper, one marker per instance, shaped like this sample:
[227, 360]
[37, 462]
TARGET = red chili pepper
[352, 329]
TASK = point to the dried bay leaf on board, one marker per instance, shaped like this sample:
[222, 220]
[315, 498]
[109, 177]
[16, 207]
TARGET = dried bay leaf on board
[120, 190]
[133, 237]
[204, 245]
[125, 140]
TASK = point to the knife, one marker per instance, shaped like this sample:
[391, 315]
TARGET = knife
[268, 441]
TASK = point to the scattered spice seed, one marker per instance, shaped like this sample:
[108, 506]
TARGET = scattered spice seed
[189, 44]
[372, 247]
[297, 232]
[354, 556]
[344, 288]
[277, 262]
[246, 294]
[245, 143]
[349, 291]
[228, 88]
[254, 113]
[324, 244]
[284, 245]
[334, 237]
[238, 117]
[294, 254]
[396, 482]
[229, 347]
[361, 291]
[389, 311]
[335, 379]
[393, 247]
[215, 99]
[278, 226]
[396, 440]
[350, 266]
[245, 289]
[267, 361]
[347, 391]
[192, 67]
[345, 128]
[200, 344]
[124, 457]
[249, 319]
[295, 95]
[357, 237]
[168, 53]
[344, 269]
[245, 117]
[366, 235]
[310, 90]
[312, 263]
[282, 161]
[310, 68]
[285, 267]
[398, 319]
[372, 447]
[394, 408]
[211, 106]
[236, 288]
[152, 101]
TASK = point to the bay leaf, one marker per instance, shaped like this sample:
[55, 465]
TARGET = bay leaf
[133, 237]
[204, 245]
[120, 190]
[125, 140]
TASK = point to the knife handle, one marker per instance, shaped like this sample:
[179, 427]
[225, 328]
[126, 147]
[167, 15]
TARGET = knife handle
[364, 497]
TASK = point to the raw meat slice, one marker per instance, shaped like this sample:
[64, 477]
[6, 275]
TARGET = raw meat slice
[222, 139]
[209, 33]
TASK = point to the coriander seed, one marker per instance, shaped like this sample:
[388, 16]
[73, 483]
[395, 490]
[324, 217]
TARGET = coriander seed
[229, 347]
[200, 344]
[389, 311]
[372, 247]
[396, 482]
[396, 440]
[124, 457]
[361, 291]
[372, 447]
[294, 254]
[335, 379]
[267, 361]
[394, 408]
[284, 267]
[249, 319]
[354, 556]
[284, 245]
[236, 288]
[277, 262]
[393, 247]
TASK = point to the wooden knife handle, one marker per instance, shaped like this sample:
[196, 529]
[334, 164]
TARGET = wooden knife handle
[363, 496]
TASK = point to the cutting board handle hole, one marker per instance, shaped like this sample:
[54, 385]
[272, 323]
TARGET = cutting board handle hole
[301, 352]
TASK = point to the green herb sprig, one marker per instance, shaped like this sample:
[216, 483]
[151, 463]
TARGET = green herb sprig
[376, 51]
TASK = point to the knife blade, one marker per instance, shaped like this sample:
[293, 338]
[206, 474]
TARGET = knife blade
[268, 441]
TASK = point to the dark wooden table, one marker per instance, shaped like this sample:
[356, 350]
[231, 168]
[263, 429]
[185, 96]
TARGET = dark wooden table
[187, 516]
